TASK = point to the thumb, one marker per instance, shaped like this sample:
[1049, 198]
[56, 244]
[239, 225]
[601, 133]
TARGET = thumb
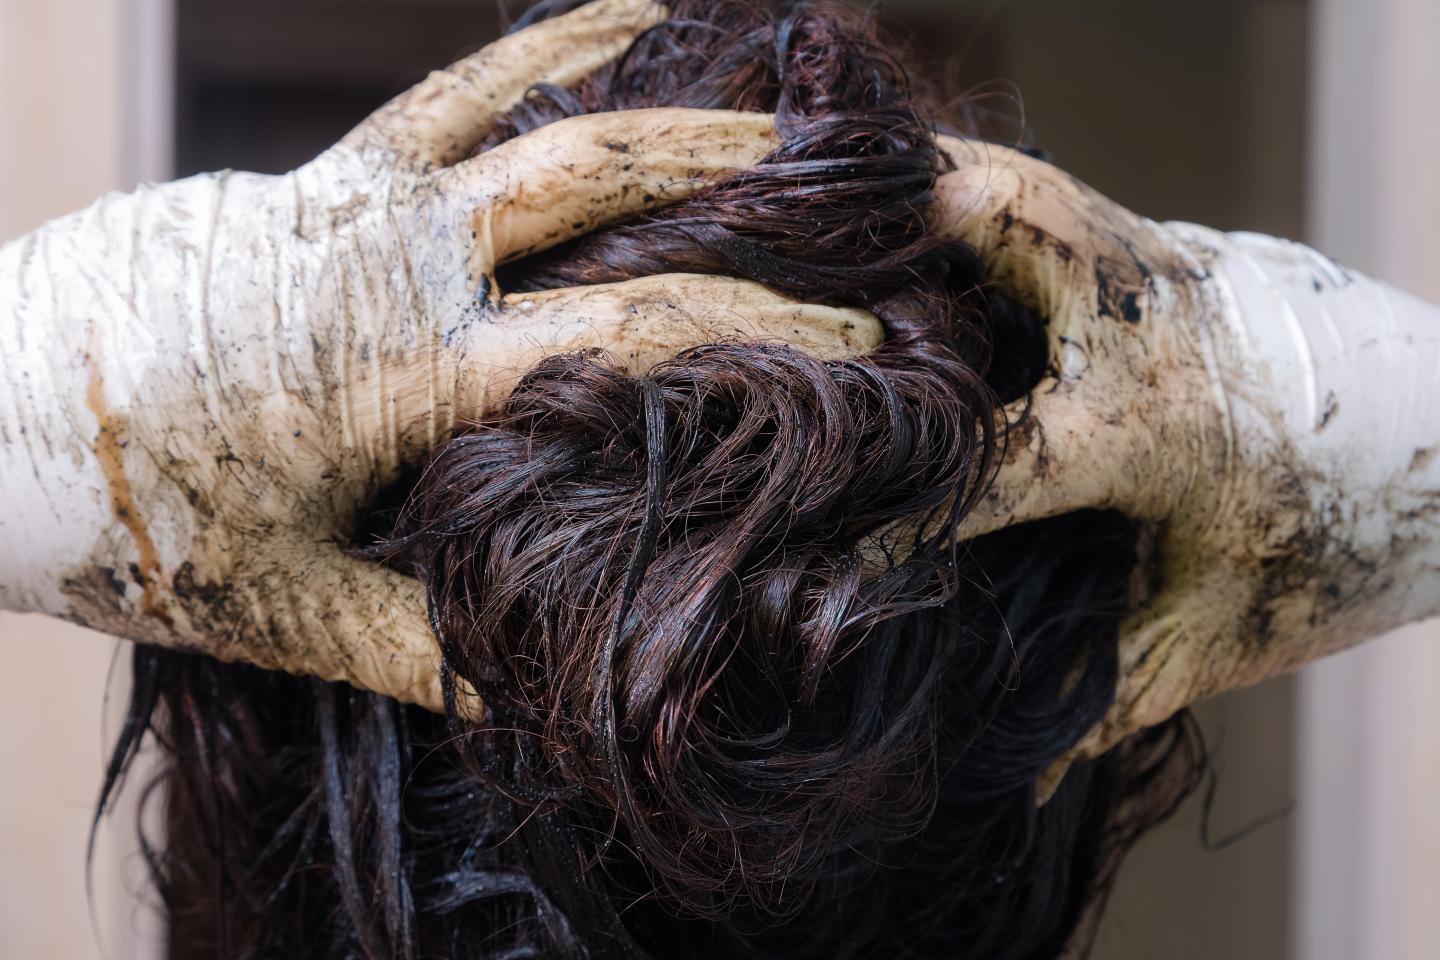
[329, 615]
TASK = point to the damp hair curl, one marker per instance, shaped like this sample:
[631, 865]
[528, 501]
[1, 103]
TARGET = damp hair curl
[741, 691]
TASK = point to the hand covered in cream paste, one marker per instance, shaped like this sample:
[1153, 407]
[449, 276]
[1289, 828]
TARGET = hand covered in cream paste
[207, 380]
[1273, 416]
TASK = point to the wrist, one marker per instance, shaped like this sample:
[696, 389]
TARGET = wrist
[1330, 385]
[98, 310]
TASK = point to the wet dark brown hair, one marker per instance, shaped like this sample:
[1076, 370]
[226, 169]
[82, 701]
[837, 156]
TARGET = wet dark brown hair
[733, 703]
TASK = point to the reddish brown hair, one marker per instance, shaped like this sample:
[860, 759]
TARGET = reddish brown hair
[728, 709]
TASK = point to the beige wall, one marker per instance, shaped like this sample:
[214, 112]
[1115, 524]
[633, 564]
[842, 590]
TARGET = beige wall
[63, 84]
[1368, 851]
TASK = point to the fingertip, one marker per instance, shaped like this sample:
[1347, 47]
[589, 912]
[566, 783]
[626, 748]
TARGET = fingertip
[376, 630]
[441, 119]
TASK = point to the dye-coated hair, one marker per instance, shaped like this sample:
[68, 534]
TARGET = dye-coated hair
[743, 693]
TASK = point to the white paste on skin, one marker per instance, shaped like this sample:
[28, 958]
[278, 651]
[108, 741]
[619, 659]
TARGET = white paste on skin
[204, 381]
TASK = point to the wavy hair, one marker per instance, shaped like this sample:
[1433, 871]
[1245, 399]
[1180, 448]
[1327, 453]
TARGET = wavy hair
[742, 692]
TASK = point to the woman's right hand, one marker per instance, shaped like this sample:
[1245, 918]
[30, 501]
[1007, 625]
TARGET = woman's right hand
[206, 381]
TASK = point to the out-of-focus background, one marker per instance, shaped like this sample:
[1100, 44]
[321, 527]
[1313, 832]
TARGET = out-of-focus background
[1317, 119]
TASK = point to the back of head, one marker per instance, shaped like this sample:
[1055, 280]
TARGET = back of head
[742, 693]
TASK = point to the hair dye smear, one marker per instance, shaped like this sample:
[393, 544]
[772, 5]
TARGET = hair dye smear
[728, 710]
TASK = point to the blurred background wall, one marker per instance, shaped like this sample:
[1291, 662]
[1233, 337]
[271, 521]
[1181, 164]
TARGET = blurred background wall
[1368, 830]
[1306, 118]
[83, 110]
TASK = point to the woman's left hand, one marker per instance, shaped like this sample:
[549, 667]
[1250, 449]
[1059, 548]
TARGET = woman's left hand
[1273, 417]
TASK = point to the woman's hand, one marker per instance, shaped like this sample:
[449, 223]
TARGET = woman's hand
[1274, 417]
[206, 381]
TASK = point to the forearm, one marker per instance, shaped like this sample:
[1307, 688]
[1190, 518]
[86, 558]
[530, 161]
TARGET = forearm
[1336, 377]
[94, 305]
[147, 337]
[142, 338]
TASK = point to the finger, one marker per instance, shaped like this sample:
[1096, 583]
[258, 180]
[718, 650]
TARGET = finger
[1065, 452]
[1164, 666]
[1060, 453]
[335, 617]
[441, 119]
[1048, 239]
[1189, 643]
[1184, 646]
[642, 322]
[348, 620]
[569, 177]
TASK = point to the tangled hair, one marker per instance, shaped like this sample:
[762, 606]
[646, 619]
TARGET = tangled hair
[740, 692]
